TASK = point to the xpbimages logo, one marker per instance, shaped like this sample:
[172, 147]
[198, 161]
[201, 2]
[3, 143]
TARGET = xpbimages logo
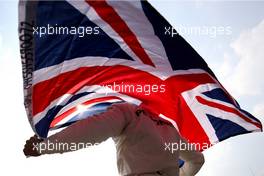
[80, 31]
[61, 146]
[146, 89]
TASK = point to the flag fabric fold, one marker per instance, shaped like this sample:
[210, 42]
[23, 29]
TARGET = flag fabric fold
[79, 57]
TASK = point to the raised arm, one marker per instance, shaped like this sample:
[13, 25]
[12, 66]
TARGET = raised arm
[92, 130]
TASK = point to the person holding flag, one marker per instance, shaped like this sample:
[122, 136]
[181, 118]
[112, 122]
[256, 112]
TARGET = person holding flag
[68, 80]
[140, 139]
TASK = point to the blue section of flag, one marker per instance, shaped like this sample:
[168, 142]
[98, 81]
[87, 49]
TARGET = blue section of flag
[59, 48]
[181, 163]
[250, 115]
[224, 128]
[42, 127]
[180, 53]
[96, 109]
[218, 94]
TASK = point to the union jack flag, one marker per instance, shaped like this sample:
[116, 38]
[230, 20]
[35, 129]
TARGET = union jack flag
[125, 43]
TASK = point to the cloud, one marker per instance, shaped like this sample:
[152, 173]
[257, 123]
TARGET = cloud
[225, 69]
[247, 77]
[258, 110]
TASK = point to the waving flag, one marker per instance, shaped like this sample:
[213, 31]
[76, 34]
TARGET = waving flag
[76, 53]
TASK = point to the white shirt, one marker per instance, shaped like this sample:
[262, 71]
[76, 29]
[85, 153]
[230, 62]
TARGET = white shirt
[140, 139]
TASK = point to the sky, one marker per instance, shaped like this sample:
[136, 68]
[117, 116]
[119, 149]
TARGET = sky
[236, 57]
